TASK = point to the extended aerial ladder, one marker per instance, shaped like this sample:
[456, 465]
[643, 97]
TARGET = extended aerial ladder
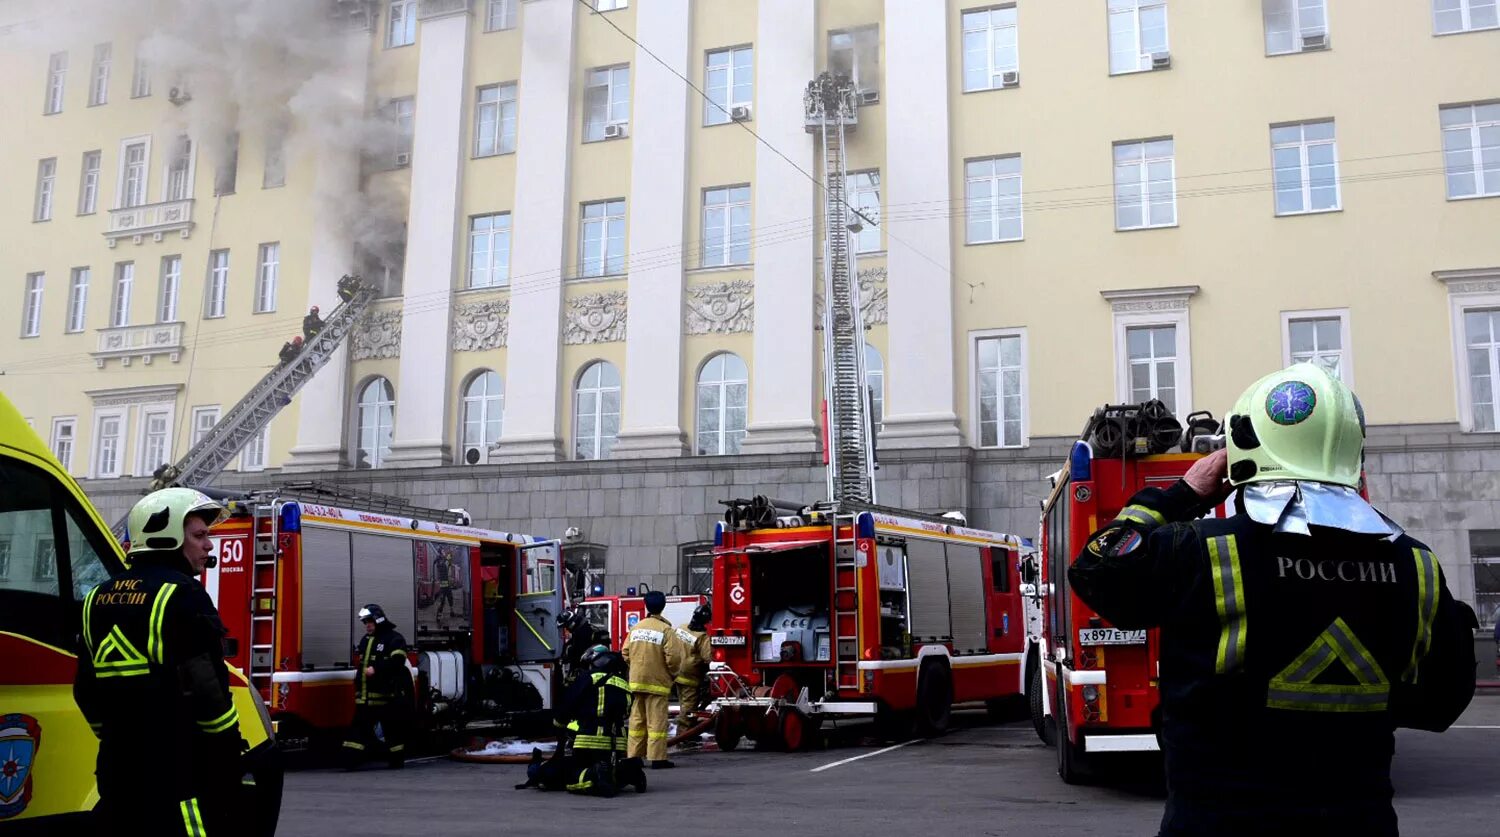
[247, 418]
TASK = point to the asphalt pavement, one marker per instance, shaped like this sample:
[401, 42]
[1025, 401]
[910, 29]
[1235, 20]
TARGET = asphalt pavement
[979, 779]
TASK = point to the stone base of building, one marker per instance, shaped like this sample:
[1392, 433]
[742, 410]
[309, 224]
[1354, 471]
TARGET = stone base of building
[314, 459]
[781, 437]
[422, 454]
[656, 443]
[537, 449]
[920, 431]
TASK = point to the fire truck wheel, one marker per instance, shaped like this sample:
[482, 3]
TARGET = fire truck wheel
[934, 699]
[1070, 765]
[1034, 694]
[727, 730]
[797, 731]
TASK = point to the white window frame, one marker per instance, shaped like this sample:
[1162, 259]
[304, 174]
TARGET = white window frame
[122, 290]
[179, 163]
[407, 34]
[216, 286]
[726, 209]
[1143, 64]
[168, 411]
[499, 111]
[402, 113]
[976, 434]
[1144, 167]
[598, 392]
[604, 256]
[1467, 289]
[46, 189]
[64, 456]
[494, 237]
[1346, 356]
[140, 79]
[1466, 10]
[855, 32]
[500, 15]
[869, 239]
[1299, 29]
[197, 432]
[96, 452]
[716, 112]
[273, 167]
[31, 306]
[78, 299]
[99, 74]
[481, 403]
[1125, 318]
[720, 437]
[88, 183]
[170, 289]
[377, 459]
[257, 452]
[1482, 188]
[875, 374]
[610, 5]
[57, 82]
[591, 83]
[121, 196]
[995, 200]
[996, 72]
[1304, 167]
[267, 276]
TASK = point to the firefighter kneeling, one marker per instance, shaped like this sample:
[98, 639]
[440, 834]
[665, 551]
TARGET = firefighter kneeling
[591, 718]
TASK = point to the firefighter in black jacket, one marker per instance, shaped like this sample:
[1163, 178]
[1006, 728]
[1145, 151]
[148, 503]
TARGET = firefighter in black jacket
[1296, 635]
[382, 692]
[592, 716]
[152, 683]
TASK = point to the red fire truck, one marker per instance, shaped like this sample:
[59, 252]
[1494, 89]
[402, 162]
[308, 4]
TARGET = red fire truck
[616, 615]
[843, 610]
[297, 563]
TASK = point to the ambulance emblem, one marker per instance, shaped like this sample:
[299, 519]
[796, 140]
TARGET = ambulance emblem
[20, 738]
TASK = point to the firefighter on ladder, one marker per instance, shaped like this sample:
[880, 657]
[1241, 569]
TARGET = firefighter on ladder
[696, 654]
[1296, 635]
[655, 656]
[152, 683]
[382, 692]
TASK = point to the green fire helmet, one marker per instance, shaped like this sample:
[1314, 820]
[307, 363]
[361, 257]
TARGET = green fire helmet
[1301, 423]
[158, 520]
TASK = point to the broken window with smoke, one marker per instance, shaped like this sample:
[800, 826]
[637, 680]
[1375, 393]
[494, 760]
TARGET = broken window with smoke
[275, 172]
[179, 169]
[229, 164]
[855, 53]
[400, 115]
[381, 263]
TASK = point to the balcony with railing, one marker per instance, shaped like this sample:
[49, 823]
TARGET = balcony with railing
[154, 219]
[127, 343]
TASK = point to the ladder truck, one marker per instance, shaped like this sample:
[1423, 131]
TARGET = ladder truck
[845, 608]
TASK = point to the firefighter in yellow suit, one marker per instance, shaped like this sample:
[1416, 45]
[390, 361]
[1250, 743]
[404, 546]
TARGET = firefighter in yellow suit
[696, 654]
[655, 655]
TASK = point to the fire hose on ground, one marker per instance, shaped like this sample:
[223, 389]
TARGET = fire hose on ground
[520, 752]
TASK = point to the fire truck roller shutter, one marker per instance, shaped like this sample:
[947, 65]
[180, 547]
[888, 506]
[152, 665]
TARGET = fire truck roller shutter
[327, 598]
[966, 594]
[927, 585]
[384, 572]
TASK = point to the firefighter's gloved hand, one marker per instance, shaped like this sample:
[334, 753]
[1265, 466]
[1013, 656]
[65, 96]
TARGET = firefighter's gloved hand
[1209, 476]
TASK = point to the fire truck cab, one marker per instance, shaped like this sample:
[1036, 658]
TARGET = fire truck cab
[616, 615]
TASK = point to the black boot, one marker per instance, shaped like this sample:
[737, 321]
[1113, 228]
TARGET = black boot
[662, 764]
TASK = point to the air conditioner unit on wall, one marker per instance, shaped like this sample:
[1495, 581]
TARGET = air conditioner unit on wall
[740, 113]
[614, 131]
[1314, 40]
[869, 97]
[403, 159]
[1010, 78]
[1161, 60]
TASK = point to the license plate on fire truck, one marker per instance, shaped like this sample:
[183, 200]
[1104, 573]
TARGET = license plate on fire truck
[726, 640]
[1110, 636]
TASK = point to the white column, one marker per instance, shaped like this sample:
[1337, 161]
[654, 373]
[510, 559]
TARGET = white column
[781, 409]
[323, 401]
[544, 138]
[650, 424]
[919, 362]
[438, 145]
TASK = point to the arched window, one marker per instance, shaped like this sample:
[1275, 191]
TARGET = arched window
[596, 411]
[483, 404]
[875, 383]
[377, 417]
[723, 392]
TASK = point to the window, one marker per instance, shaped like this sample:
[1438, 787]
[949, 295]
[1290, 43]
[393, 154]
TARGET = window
[140, 82]
[1137, 31]
[119, 305]
[993, 198]
[500, 14]
[177, 186]
[726, 226]
[584, 565]
[1145, 185]
[856, 53]
[495, 120]
[602, 239]
[596, 411]
[377, 417]
[1451, 16]
[44, 561]
[610, 5]
[991, 48]
[1152, 354]
[88, 189]
[723, 396]
[1482, 343]
[606, 101]
[1295, 25]
[875, 384]
[62, 440]
[266, 276]
[46, 181]
[697, 560]
[1000, 364]
[57, 74]
[401, 114]
[483, 408]
[217, 285]
[204, 419]
[1484, 551]
[253, 456]
[489, 250]
[5, 550]
[31, 306]
[274, 174]
[133, 167]
[1305, 157]
[1320, 337]
[171, 284]
[403, 24]
[863, 189]
[1471, 149]
[729, 78]
[227, 172]
[78, 299]
[383, 262]
[108, 451]
[156, 445]
[99, 78]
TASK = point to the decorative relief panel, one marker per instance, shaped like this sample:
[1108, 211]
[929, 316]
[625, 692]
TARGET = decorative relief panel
[481, 325]
[874, 298]
[595, 318]
[720, 308]
[378, 335]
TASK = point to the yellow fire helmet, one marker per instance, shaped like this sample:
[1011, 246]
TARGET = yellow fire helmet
[158, 520]
[1300, 423]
